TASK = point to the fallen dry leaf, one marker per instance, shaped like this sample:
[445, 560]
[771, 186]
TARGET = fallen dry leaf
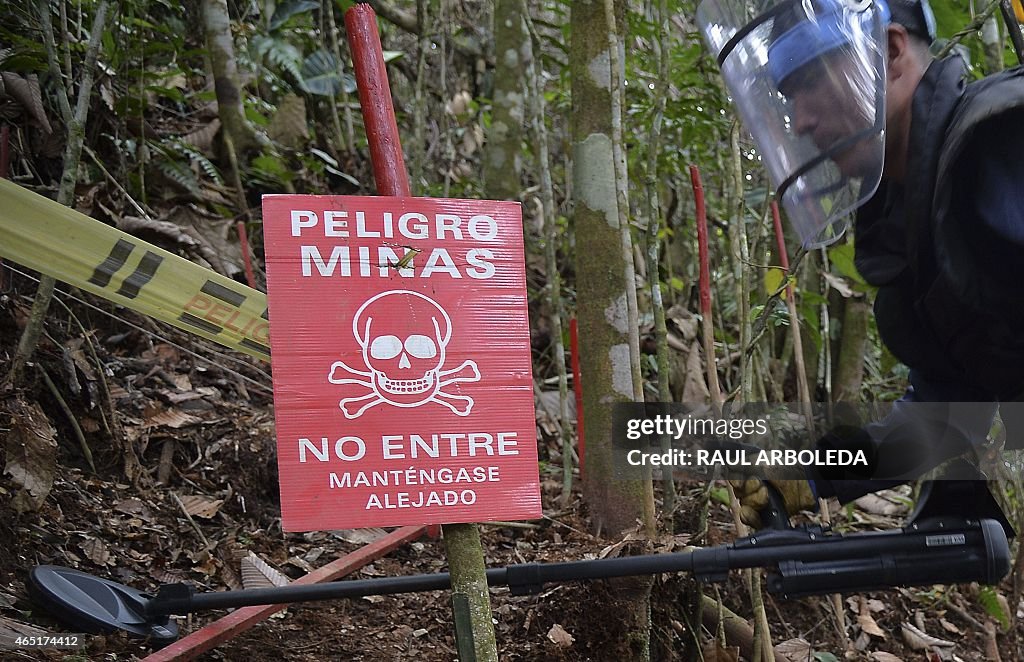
[10, 628]
[31, 455]
[171, 418]
[695, 389]
[96, 551]
[133, 507]
[25, 90]
[876, 505]
[919, 640]
[873, 604]
[558, 636]
[714, 653]
[882, 656]
[359, 536]
[201, 506]
[794, 650]
[839, 284]
[949, 627]
[868, 624]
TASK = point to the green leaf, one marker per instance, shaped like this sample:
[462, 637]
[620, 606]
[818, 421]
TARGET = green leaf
[841, 256]
[391, 56]
[331, 166]
[270, 169]
[22, 63]
[256, 117]
[989, 599]
[720, 494]
[286, 10]
[773, 279]
[279, 53]
[810, 320]
[825, 657]
[812, 298]
[321, 74]
[181, 174]
[172, 93]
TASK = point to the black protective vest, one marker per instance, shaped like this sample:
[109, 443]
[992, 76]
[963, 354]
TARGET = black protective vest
[949, 301]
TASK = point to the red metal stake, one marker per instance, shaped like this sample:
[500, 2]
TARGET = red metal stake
[378, 114]
[375, 99]
[577, 387]
[702, 241]
[243, 240]
[242, 619]
[781, 243]
[705, 288]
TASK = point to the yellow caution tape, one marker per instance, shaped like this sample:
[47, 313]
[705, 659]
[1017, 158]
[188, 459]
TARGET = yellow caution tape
[58, 241]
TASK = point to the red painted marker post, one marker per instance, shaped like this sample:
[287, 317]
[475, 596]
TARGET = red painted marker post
[243, 240]
[375, 99]
[378, 112]
[798, 351]
[707, 323]
[465, 556]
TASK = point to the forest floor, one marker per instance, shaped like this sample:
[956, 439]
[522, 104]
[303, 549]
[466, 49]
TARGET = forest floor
[197, 436]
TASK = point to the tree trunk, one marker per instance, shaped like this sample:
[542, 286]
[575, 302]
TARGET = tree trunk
[512, 55]
[466, 564]
[601, 275]
[238, 132]
[993, 44]
[852, 346]
[606, 295]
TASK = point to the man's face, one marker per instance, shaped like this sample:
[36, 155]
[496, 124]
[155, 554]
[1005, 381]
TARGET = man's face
[830, 101]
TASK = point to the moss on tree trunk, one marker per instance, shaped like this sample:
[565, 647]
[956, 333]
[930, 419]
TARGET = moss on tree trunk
[466, 565]
[606, 309]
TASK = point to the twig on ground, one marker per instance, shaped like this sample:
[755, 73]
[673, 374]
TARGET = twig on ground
[206, 543]
[86, 451]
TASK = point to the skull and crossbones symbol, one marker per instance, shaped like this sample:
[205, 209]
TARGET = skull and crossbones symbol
[404, 337]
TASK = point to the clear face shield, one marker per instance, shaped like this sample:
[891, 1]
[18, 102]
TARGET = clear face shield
[808, 80]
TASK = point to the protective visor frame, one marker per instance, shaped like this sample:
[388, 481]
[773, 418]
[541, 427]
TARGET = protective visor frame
[794, 55]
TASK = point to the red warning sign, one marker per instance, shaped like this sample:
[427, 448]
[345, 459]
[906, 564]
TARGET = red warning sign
[403, 387]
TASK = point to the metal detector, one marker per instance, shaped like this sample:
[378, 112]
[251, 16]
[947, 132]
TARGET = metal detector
[806, 560]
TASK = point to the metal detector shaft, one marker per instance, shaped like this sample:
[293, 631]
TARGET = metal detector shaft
[523, 578]
[808, 561]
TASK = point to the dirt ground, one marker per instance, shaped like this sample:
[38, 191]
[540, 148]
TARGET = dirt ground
[185, 490]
